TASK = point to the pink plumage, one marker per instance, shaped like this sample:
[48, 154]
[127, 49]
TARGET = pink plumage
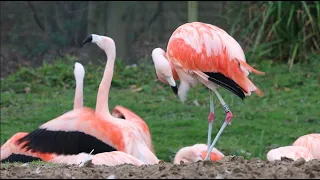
[311, 142]
[292, 152]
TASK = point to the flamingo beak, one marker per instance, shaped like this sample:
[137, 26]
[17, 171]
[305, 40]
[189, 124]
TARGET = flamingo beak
[88, 39]
[173, 84]
[174, 89]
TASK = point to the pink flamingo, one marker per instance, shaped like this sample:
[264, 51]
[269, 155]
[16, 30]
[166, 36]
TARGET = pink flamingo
[12, 152]
[196, 153]
[200, 52]
[81, 130]
[118, 111]
[311, 142]
[292, 152]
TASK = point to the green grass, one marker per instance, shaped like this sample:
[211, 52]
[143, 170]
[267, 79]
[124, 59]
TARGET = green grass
[288, 110]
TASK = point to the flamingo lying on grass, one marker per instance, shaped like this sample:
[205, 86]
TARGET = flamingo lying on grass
[202, 52]
[11, 152]
[83, 130]
[196, 153]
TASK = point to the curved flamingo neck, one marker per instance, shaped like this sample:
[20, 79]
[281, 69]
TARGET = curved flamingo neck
[102, 105]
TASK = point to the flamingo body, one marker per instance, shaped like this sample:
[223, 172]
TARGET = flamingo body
[292, 152]
[77, 131]
[124, 113]
[311, 142]
[213, 55]
[200, 52]
[196, 153]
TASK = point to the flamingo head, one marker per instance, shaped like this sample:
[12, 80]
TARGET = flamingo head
[104, 42]
[164, 69]
[78, 71]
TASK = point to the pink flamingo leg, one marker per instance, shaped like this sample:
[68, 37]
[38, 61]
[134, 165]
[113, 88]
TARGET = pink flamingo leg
[224, 125]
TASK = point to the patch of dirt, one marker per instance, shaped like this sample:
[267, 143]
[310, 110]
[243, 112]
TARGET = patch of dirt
[230, 167]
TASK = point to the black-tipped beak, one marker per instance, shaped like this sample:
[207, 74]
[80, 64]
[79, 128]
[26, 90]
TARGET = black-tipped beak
[174, 89]
[88, 39]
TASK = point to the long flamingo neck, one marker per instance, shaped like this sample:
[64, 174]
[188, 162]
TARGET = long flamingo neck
[102, 106]
[78, 97]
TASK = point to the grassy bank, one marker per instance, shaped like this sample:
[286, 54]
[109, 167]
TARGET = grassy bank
[289, 109]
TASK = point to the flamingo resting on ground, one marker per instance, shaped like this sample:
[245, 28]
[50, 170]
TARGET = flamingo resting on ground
[11, 152]
[311, 142]
[196, 153]
[203, 52]
[292, 152]
[83, 130]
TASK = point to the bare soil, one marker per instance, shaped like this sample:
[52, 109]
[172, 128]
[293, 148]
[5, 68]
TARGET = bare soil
[231, 167]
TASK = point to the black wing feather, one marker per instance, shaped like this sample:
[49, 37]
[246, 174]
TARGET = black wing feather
[227, 83]
[20, 158]
[62, 142]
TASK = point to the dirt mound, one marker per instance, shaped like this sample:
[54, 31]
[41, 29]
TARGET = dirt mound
[230, 167]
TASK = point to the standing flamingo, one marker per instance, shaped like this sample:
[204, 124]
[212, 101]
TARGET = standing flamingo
[84, 130]
[311, 142]
[196, 153]
[203, 52]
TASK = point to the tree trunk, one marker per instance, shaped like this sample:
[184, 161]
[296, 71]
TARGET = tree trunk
[192, 11]
[117, 28]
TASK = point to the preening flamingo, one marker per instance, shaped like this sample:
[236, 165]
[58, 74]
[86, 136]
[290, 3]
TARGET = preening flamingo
[200, 52]
[292, 152]
[196, 153]
[311, 142]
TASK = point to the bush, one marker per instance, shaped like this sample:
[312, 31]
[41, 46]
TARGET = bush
[277, 30]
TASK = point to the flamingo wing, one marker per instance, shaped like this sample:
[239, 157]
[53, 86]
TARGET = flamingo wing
[125, 113]
[74, 132]
[11, 152]
[211, 52]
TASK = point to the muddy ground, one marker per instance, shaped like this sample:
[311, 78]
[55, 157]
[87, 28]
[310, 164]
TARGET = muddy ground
[230, 167]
